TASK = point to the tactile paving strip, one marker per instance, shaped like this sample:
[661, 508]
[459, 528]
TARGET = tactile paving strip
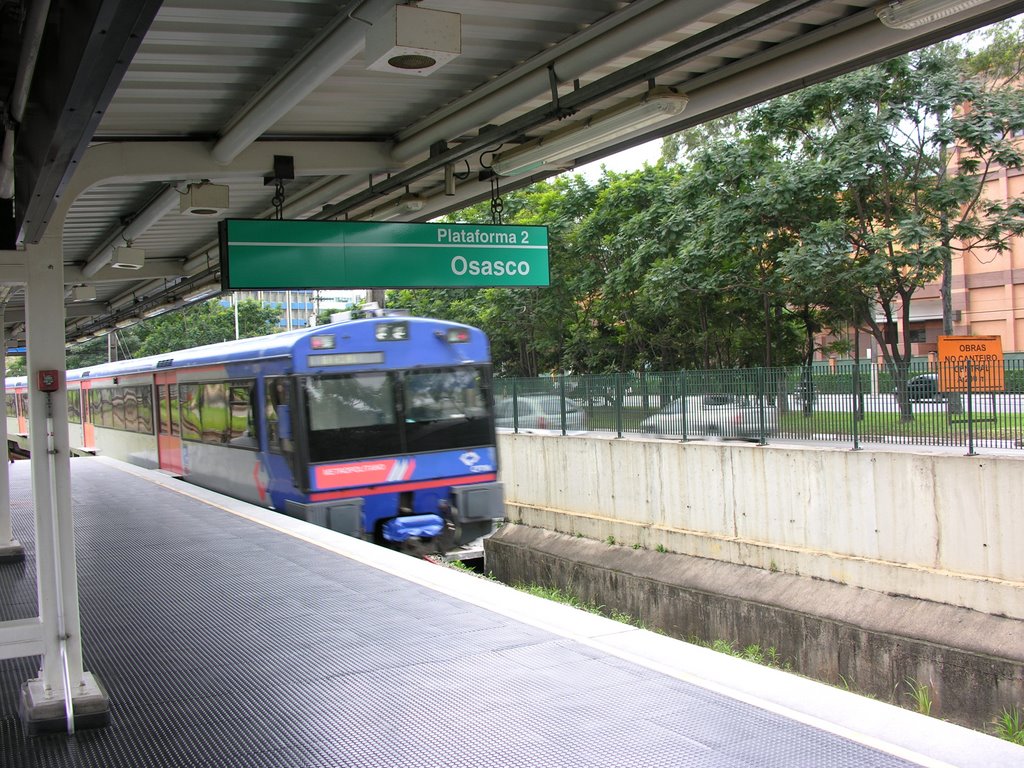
[223, 643]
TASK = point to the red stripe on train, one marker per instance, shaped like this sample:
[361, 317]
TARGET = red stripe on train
[373, 490]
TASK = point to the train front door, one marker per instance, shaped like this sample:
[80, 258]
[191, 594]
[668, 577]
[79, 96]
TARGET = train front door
[169, 427]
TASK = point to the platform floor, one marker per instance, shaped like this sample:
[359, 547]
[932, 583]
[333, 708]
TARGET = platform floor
[227, 635]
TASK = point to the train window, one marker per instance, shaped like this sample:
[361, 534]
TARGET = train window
[12, 405]
[130, 398]
[278, 415]
[117, 407]
[106, 410]
[351, 416]
[145, 396]
[214, 412]
[191, 421]
[74, 406]
[445, 409]
[163, 409]
[23, 404]
[172, 399]
[241, 396]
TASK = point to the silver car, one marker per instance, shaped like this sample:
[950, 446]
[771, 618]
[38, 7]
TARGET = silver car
[539, 412]
[722, 416]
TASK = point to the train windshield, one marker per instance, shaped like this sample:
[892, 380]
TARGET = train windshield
[446, 408]
[380, 414]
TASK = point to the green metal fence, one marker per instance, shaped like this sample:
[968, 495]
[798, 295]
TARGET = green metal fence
[963, 405]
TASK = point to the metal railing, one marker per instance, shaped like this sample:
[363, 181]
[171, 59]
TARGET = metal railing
[959, 406]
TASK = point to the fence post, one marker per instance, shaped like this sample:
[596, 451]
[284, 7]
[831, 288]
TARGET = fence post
[618, 404]
[858, 405]
[561, 394]
[682, 394]
[970, 412]
[761, 399]
[515, 407]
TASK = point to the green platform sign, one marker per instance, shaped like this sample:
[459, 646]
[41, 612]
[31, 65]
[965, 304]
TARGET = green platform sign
[269, 254]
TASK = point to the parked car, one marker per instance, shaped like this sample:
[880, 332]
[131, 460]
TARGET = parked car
[805, 392]
[924, 387]
[724, 416]
[539, 412]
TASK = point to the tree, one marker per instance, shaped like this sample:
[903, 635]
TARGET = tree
[875, 138]
[208, 322]
[530, 329]
[16, 365]
[88, 353]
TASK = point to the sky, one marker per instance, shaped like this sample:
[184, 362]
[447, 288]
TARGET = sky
[629, 160]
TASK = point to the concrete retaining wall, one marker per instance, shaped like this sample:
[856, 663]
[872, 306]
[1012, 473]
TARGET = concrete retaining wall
[971, 663]
[945, 528]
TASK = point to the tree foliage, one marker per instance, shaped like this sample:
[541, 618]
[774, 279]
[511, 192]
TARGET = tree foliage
[827, 208]
[205, 323]
[878, 143]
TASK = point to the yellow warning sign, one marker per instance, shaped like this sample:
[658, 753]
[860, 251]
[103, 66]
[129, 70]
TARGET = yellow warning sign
[985, 355]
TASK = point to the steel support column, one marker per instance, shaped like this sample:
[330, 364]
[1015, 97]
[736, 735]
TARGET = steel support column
[11, 549]
[52, 701]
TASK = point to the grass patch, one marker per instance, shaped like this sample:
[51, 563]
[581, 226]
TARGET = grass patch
[768, 657]
[565, 597]
[1009, 725]
[920, 696]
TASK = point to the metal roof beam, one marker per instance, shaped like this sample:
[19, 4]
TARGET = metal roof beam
[83, 58]
[151, 270]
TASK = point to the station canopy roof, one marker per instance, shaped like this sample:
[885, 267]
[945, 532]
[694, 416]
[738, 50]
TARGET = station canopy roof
[136, 125]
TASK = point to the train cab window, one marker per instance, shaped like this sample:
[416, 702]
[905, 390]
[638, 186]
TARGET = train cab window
[191, 418]
[351, 416]
[446, 408]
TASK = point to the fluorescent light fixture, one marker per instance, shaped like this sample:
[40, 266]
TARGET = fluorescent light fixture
[202, 293]
[101, 332]
[126, 322]
[161, 308]
[404, 205]
[659, 105]
[910, 14]
[157, 310]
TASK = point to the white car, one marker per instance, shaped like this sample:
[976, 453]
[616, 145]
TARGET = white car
[723, 416]
[539, 412]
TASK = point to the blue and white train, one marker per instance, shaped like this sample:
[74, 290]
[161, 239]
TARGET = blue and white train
[381, 427]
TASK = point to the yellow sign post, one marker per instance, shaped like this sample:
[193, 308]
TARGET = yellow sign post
[985, 354]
